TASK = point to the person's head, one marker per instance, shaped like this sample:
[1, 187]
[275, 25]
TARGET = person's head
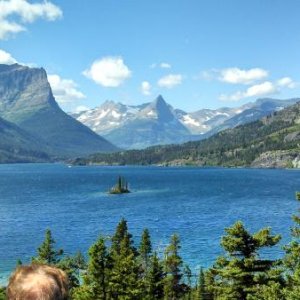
[37, 282]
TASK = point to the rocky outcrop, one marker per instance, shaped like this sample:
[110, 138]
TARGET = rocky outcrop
[277, 159]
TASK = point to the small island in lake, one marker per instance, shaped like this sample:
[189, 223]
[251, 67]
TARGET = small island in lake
[121, 187]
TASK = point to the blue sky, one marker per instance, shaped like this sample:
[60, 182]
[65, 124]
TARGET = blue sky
[197, 54]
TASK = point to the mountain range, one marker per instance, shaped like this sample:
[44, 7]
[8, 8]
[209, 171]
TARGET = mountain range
[272, 141]
[34, 128]
[32, 122]
[158, 123]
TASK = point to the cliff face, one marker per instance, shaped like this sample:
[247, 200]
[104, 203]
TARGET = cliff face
[23, 91]
[26, 100]
[277, 159]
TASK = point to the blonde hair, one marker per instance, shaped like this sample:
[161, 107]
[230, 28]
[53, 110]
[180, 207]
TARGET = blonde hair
[37, 282]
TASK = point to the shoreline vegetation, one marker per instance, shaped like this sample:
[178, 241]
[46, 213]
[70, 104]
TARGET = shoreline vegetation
[118, 269]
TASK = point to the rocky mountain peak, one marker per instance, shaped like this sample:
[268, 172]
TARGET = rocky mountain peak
[23, 90]
[159, 109]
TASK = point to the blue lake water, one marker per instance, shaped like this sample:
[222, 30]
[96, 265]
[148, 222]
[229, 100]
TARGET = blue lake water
[196, 203]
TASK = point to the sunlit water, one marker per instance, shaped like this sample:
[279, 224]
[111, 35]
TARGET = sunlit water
[196, 203]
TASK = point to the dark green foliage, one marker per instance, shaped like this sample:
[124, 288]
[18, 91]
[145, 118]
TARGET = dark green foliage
[2, 293]
[121, 187]
[96, 278]
[19, 263]
[201, 289]
[155, 279]
[145, 249]
[120, 271]
[72, 265]
[173, 288]
[292, 256]
[120, 234]
[124, 277]
[188, 282]
[237, 274]
[46, 252]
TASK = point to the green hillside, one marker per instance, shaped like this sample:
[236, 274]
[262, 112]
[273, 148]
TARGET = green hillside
[16, 145]
[276, 137]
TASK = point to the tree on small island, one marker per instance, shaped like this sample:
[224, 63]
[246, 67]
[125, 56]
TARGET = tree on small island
[121, 187]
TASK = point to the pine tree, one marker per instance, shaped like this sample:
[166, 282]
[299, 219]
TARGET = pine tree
[173, 263]
[237, 274]
[72, 265]
[46, 252]
[188, 288]
[201, 285]
[120, 183]
[125, 280]
[145, 249]
[155, 279]
[120, 234]
[97, 274]
[292, 257]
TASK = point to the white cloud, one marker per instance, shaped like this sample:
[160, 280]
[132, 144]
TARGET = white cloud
[263, 89]
[6, 58]
[14, 14]
[108, 71]
[162, 65]
[165, 65]
[64, 90]
[286, 82]
[170, 81]
[146, 88]
[239, 76]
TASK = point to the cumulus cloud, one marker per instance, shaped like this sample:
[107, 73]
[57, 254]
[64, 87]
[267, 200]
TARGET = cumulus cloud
[262, 89]
[235, 75]
[6, 58]
[108, 71]
[170, 81]
[146, 88]
[239, 76]
[286, 82]
[64, 90]
[14, 14]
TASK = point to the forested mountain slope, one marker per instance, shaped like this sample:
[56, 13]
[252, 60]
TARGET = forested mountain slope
[273, 141]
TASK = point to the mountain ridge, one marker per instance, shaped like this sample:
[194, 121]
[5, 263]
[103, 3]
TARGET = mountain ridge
[273, 141]
[116, 120]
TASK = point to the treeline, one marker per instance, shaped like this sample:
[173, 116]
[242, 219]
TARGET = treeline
[118, 269]
[239, 146]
